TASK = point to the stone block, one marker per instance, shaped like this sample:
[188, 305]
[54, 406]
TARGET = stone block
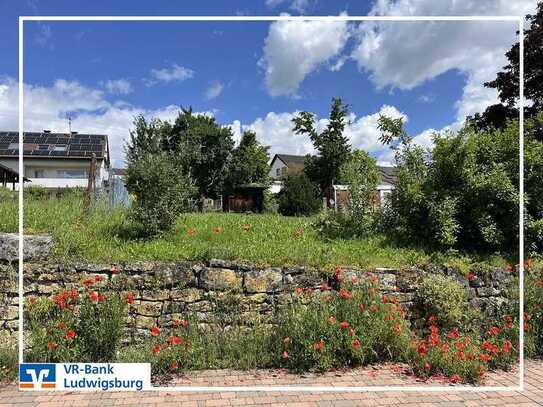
[220, 279]
[264, 281]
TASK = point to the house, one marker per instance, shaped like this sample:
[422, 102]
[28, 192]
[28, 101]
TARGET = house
[57, 160]
[283, 164]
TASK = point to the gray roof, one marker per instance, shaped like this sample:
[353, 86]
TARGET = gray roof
[289, 159]
[388, 175]
[53, 145]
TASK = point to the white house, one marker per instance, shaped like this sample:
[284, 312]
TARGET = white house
[57, 160]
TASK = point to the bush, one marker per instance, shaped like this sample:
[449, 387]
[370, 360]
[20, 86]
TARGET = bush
[9, 362]
[75, 325]
[299, 197]
[325, 329]
[533, 315]
[444, 298]
[162, 191]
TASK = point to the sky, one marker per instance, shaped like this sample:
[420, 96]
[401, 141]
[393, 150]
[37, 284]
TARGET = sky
[253, 75]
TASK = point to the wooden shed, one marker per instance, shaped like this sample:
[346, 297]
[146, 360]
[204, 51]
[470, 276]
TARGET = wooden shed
[246, 198]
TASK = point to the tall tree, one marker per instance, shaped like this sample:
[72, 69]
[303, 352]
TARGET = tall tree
[249, 163]
[507, 81]
[332, 146]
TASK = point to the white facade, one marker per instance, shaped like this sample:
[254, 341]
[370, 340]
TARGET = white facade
[58, 172]
[278, 169]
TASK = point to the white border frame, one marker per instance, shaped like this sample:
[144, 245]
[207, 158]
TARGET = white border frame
[294, 388]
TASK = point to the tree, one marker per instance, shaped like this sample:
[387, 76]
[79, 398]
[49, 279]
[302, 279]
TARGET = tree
[248, 164]
[507, 81]
[332, 146]
[299, 196]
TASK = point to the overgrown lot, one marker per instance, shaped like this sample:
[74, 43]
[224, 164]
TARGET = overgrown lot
[108, 236]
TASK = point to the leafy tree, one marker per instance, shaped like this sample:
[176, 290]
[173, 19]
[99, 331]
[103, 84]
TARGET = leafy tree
[507, 81]
[299, 196]
[248, 164]
[332, 146]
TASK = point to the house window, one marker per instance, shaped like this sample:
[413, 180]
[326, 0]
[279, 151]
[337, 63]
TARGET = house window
[43, 147]
[278, 171]
[38, 173]
[75, 173]
[60, 147]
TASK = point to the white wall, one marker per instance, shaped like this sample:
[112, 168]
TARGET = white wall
[277, 165]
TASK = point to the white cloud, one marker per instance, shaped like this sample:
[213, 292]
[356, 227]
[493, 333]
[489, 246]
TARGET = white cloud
[44, 34]
[119, 86]
[214, 89]
[294, 49]
[406, 54]
[175, 73]
[300, 6]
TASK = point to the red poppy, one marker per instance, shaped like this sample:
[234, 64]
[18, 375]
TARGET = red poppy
[93, 295]
[373, 308]
[217, 230]
[325, 286]
[174, 366]
[319, 346]
[453, 334]
[98, 278]
[397, 328]
[485, 357]
[89, 282]
[344, 325]
[185, 323]
[155, 331]
[115, 270]
[70, 334]
[507, 345]
[427, 366]
[51, 345]
[385, 299]
[61, 325]
[343, 293]
[422, 349]
[286, 340]
[362, 307]
[175, 340]
[337, 274]
[191, 232]
[101, 298]
[493, 331]
[129, 298]
[455, 378]
[176, 323]
[356, 344]
[155, 349]
[432, 319]
[445, 348]
[471, 276]
[298, 290]
[285, 355]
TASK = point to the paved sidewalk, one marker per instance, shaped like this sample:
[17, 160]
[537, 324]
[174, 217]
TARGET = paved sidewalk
[370, 376]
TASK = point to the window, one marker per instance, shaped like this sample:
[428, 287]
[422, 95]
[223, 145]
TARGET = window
[13, 146]
[278, 171]
[73, 173]
[43, 147]
[60, 147]
[38, 174]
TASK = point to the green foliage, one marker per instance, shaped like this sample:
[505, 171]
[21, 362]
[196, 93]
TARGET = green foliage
[321, 330]
[9, 362]
[299, 196]
[442, 297]
[332, 146]
[248, 164]
[162, 192]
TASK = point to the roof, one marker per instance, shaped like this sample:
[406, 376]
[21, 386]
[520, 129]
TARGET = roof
[11, 175]
[119, 171]
[54, 145]
[291, 159]
[388, 175]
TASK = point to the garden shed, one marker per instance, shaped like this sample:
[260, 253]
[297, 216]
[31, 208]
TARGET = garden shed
[9, 176]
[246, 198]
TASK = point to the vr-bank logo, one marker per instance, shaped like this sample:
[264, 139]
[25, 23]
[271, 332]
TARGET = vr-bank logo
[37, 376]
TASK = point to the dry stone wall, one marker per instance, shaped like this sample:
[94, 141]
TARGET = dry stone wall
[164, 291]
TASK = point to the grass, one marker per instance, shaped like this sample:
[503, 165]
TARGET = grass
[8, 363]
[265, 239]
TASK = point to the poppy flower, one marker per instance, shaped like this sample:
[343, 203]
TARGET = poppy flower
[155, 331]
[101, 298]
[485, 357]
[453, 334]
[432, 319]
[337, 274]
[155, 349]
[345, 294]
[397, 328]
[61, 325]
[93, 295]
[174, 366]
[175, 340]
[70, 334]
[191, 232]
[427, 366]
[455, 378]
[507, 345]
[32, 300]
[493, 331]
[285, 355]
[356, 344]
[217, 230]
[298, 290]
[51, 345]
[319, 346]
[89, 282]
[325, 286]
[344, 325]
[115, 270]
[470, 276]
[362, 307]
[422, 349]
[373, 308]
[286, 340]
[176, 323]
[185, 323]
[129, 298]
[98, 278]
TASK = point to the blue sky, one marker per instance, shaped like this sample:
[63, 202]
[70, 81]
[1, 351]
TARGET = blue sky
[252, 74]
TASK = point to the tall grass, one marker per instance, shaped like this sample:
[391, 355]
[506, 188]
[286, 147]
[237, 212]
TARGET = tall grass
[267, 239]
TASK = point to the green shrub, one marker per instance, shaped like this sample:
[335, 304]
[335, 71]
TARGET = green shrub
[442, 297]
[533, 305]
[325, 329]
[161, 190]
[299, 197]
[75, 325]
[9, 362]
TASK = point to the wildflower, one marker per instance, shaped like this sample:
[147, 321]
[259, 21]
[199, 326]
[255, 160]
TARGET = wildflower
[32, 300]
[51, 345]
[174, 366]
[185, 323]
[493, 331]
[70, 334]
[191, 232]
[217, 230]
[176, 323]
[101, 298]
[445, 348]
[308, 291]
[246, 227]
[345, 294]
[129, 298]
[427, 366]
[61, 325]
[362, 307]
[319, 346]
[98, 278]
[460, 354]
[298, 290]
[155, 349]
[89, 282]
[354, 279]
[285, 355]
[509, 268]
[422, 349]
[470, 276]
[93, 295]
[385, 299]
[332, 320]
[155, 331]
[356, 344]
[373, 308]
[115, 270]
[325, 286]
[175, 340]
[507, 345]
[337, 274]
[397, 328]
[352, 332]
[485, 357]
[343, 325]
[432, 319]
[528, 263]
[455, 378]
[453, 334]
